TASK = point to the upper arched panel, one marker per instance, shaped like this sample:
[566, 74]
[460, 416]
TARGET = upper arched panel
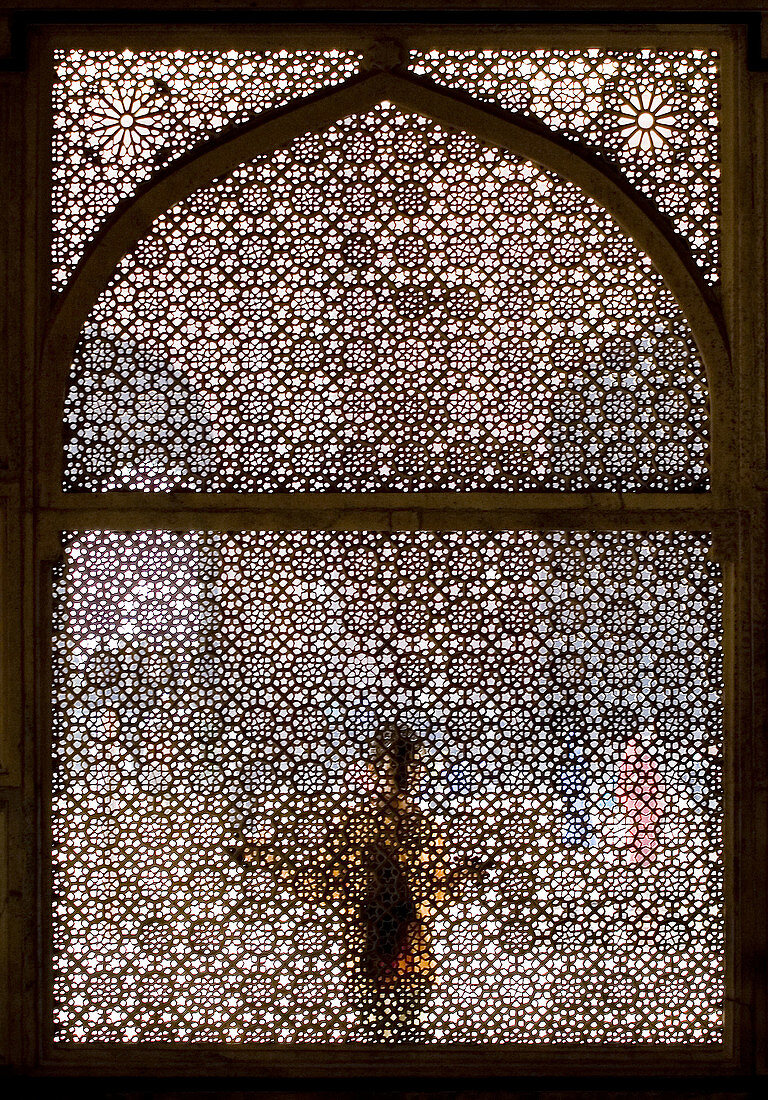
[389, 304]
[120, 116]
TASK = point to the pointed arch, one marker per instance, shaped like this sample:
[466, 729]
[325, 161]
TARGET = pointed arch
[520, 136]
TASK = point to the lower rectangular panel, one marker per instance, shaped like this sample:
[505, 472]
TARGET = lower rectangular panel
[386, 789]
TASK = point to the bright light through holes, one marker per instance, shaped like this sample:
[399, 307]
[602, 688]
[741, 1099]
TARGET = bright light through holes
[388, 305]
[652, 113]
[320, 787]
[180, 98]
[120, 117]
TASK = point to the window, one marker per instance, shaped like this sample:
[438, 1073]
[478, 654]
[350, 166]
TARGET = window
[392, 645]
[547, 867]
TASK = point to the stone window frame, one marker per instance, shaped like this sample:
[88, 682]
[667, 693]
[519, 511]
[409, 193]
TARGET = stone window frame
[40, 335]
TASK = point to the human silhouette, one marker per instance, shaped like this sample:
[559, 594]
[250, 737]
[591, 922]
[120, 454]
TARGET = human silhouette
[388, 864]
[640, 795]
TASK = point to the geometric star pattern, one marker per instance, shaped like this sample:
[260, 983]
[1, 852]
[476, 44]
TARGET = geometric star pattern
[119, 117]
[388, 787]
[654, 114]
[388, 305]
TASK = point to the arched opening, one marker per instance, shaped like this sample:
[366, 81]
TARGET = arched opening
[387, 304]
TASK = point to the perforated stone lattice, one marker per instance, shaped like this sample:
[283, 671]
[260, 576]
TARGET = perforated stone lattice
[652, 113]
[388, 305]
[119, 117]
[420, 786]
